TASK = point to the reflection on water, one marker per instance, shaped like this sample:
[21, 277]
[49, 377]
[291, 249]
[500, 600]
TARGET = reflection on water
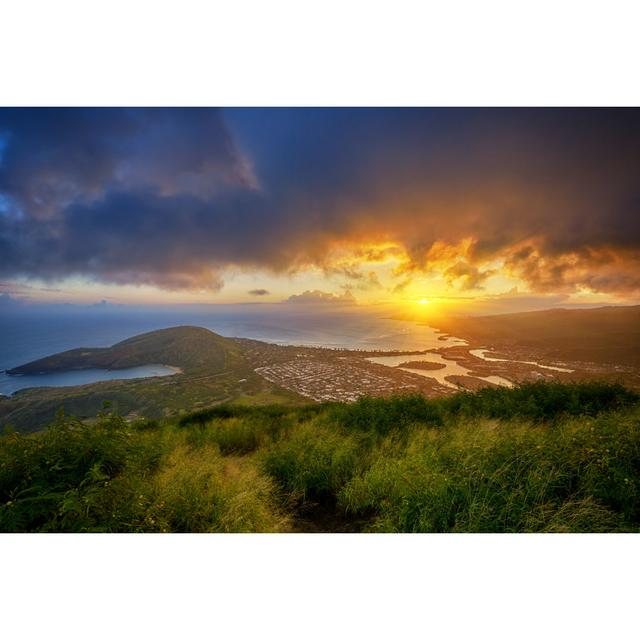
[354, 332]
[482, 354]
[11, 384]
[452, 368]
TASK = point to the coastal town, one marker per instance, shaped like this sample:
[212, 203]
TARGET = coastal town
[325, 374]
[325, 381]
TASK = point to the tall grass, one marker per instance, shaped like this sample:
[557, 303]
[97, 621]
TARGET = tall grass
[202, 492]
[540, 457]
[313, 462]
[112, 476]
[577, 475]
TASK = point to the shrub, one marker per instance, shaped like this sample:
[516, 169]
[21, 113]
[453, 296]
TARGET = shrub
[264, 413]
[146, 424]
[239, 435]
[234, 435]
[540, 401]
[51, 481]
[381, 415]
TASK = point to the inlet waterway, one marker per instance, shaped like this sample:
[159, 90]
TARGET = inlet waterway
[11, 384]
[451, 368]
[482, 354]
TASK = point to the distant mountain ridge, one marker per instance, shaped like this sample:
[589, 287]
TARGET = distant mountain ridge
[603, 334]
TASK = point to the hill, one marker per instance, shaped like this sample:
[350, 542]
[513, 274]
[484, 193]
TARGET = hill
[543, 457]
[190, 348]
[605, 335]
[214, 369]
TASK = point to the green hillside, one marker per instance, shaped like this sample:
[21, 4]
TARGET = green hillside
[543, 457]
[213, 371]
[190, 348]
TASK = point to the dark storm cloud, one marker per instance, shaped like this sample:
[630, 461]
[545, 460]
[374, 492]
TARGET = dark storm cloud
[53, 157]
[171, 197]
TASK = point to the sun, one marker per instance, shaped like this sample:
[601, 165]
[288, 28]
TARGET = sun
[423, 301]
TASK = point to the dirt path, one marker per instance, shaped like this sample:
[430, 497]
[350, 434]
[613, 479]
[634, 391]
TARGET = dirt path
[326, 518]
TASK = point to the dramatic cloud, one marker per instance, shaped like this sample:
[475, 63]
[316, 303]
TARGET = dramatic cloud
[173, 197]
[55, 157]
[258, 292]
[321, 297]
[468, 276]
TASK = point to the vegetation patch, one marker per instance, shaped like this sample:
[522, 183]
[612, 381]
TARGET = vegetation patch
[540, 457]
[577, 475]
[313, 462]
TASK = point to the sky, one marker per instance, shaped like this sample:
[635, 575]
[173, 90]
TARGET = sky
[450, 210]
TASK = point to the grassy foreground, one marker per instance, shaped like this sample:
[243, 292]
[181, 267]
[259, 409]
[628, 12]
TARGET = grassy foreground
[540, 457]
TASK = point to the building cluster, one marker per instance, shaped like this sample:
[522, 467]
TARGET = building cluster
[327, 381]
